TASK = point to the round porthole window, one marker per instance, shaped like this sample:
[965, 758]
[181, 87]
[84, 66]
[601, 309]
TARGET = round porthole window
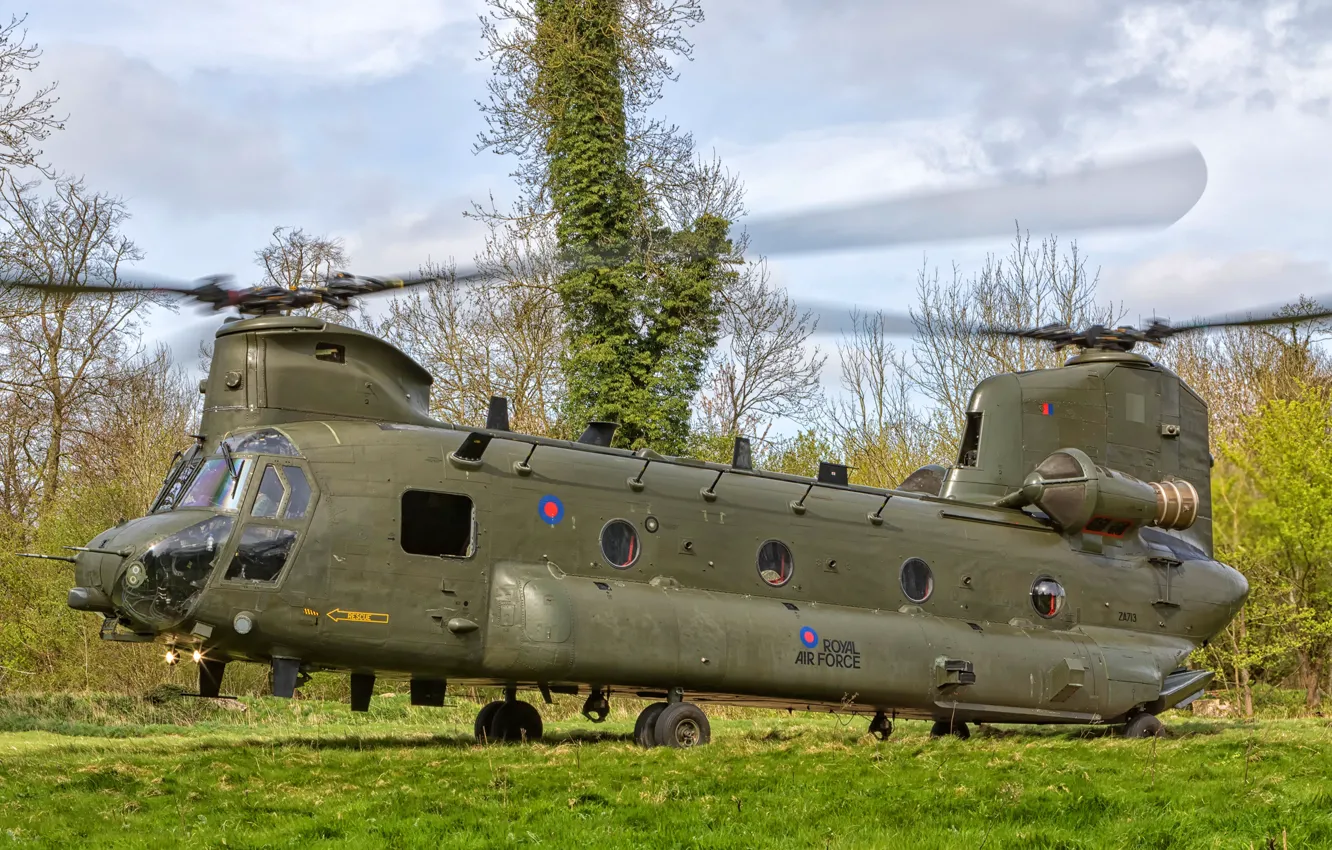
[917, 580]
[775, 564]
[1047, 595]
[619, 544]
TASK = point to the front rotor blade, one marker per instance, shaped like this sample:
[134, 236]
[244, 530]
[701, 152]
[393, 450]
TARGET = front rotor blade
[836, 318]
[345, 285]
[1148, 191]
[93, 288]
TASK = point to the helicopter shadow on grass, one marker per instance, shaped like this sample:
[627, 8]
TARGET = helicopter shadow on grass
[1185, 729]
[403, 741]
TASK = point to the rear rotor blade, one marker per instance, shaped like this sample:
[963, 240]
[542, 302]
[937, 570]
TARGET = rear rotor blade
[1272, 315]
[1146, 191]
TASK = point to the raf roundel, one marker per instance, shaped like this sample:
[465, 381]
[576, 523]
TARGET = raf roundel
[809, 637]
[551, 510]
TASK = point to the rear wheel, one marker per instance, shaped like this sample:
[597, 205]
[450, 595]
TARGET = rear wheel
[516, 721]
[645, 729]
[481, 728]
[682, 725]
[943, 728]
[1143, 726]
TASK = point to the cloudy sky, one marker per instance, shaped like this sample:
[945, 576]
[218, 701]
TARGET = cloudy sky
[220, 120]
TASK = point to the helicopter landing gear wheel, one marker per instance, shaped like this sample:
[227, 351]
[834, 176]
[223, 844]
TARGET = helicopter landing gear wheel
[515, 721]
[682, 725]
[943, 728]
[484, 717]
[881, 727]
[1143, 726]
[645, 728]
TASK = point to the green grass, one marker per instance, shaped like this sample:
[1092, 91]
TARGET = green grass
[119, 772]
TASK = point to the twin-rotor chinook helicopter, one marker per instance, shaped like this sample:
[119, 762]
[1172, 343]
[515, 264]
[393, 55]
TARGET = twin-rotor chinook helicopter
[1060, 572]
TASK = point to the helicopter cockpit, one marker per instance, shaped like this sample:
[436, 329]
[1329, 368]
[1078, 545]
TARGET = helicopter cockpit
[160, 585]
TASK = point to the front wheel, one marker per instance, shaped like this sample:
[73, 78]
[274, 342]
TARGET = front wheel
[484, 717]
[1143, 726]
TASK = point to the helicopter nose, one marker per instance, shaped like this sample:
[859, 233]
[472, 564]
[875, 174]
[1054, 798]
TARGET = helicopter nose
[149, 570]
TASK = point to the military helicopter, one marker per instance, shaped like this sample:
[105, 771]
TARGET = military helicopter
[1061, 571]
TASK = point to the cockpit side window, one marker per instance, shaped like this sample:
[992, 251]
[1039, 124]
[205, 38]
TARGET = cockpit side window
[261, 553]
[269, 498]
[299, 503]
[281, 503]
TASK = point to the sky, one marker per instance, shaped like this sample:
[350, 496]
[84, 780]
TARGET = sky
[219, 121]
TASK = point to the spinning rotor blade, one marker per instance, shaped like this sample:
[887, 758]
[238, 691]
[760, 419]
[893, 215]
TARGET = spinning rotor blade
[94, 289]
[1274, 315]
[337, 290]
[834, 318]
[1146, 191]
[1159, 330]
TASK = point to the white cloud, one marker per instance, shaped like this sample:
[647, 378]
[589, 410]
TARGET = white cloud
[315, 38]
[137, 132]
[1188, 284]
[401, 239]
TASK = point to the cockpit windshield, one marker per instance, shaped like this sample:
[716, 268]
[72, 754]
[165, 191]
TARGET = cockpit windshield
[220, 484]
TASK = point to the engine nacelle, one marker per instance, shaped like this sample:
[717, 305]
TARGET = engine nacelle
[1077, 496]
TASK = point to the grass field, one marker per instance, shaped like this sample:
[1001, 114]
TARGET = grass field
[119, 772]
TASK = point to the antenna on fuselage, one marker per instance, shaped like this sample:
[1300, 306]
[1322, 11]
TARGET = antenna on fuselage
[497, 415]
[599, 433]
[742, 456]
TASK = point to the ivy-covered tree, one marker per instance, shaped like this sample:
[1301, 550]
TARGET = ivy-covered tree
[641, 224]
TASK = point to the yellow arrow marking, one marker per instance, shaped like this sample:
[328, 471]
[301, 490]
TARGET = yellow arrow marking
[338, 615]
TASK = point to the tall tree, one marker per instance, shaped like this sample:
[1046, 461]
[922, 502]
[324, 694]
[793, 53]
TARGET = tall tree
[572, 85]
[62, 353]
[25, 121]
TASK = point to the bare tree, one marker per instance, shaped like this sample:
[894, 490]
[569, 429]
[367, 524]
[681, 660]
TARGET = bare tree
[501, 336]
[295, 259]
[24, 120]
[61, 352]
[880, 433]
[1032, 286]
[1238, 370]
[136, 431]
[765, 369]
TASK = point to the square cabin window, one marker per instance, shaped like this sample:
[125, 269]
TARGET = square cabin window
[437, 524]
